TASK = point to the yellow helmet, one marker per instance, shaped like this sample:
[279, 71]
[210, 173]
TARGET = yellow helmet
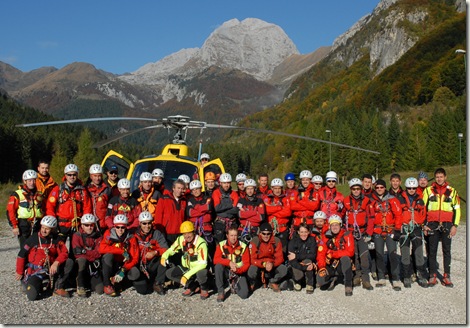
[186, 226]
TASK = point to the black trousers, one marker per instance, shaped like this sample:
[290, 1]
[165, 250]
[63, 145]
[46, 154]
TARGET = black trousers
[441, 233]
[222, 279]
[343, 268]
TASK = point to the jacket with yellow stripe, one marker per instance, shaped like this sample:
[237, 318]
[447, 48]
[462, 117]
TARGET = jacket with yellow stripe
[442, 203]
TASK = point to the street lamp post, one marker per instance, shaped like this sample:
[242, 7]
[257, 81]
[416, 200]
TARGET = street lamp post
[329, 131]
[460, 136]
[461, 51]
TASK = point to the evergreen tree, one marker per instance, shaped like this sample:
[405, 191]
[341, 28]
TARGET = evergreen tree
[86, 154]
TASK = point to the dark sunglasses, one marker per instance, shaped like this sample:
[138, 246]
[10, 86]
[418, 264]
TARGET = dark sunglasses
[410, 188]
[355, 189]
[145, 223]
[87, 225]
[204, 159]
[120, 227]
[379, 187]
[266, 233]
[318, 183]
[328, 181]
[71, 175]
[113, 172]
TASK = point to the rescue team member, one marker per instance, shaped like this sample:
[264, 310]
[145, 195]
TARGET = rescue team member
[100, 194]
[157, 178]
[41, 259]
[120, 253]
[367, 184]
[335, 257]
[146, 195]
[240, 179]
[170, 212]
[358, 213]
[266, 260]
[302, 256]
[387, 225]
[68, 202]
[231, 260]
[200, 211]
[152, 244]
[395, 186]
[443, 207]
[320, 227]
[123, 204]
[204, 159]
[85, 246]
[414, 217]
[193, 269]
[24, 209]
[317, 181]
[306, 203]
[225, 207]
[252, 212]
[209, 182]
[278, 212]
[291, 188]
[44, 183]
[263, 188]
[187, 181]
[112, 174]
[423, 181]
[331, 200]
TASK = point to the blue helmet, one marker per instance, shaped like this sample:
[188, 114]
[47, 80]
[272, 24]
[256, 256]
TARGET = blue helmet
[289, 176]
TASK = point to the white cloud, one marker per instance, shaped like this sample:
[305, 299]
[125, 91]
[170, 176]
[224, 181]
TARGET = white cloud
[47, 44]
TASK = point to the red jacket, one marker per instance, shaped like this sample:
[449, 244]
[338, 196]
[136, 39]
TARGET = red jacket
[112, 244]
[413, 208]
[266, 252]
[252, 212]
[238, 253]
[100, 196]
[388, 213]
[153, 241]
[360, 212]
[291, 192]
[61, 203]
[305, 205]
[86, 246]
[200, 211]
[335, 248]
[225, 203]
[129, 207]
[278, 211]
[331, 201]
[320, 235]
[169, 214]
[32, 257]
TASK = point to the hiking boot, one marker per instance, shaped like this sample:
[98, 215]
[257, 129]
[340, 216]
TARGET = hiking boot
[81, 292]
[396, 285]
[356, 281]
[432, 280]
[309, 289]
[413, 277]
[252, 287]
[61, 292]
[188, 292]
[31, 292]
[204, 294]
[348, 291]
[332, 284]
[446, 281]
[275, 287]
[220, 297]
[366, 285]
[109, 290]
[374, 276]
[423, 282]
[407, 282]
[159, 289]
[381, 283]
[297, 287]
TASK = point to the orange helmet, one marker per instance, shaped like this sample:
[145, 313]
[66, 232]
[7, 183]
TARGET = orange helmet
[209, 176]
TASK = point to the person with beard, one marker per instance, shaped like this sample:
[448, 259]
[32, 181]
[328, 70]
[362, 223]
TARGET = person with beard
[210, 183]
[252, 212]
[100, 194]
[157, 177]
[225, 207]
[24, 208]
[123, 204]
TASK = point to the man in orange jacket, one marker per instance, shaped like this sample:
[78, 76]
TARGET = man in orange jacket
[44, 183]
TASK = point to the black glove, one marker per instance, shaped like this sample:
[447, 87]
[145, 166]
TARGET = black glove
[396, 235]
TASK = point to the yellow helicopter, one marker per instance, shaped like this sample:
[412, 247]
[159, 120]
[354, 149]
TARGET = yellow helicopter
[174, 159]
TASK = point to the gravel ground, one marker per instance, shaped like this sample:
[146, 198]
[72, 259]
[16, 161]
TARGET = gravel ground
[437, 305]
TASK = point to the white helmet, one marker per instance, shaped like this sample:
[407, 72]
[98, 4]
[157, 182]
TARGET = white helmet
[277, 183]
[206, 156]
[95, 169]
[29, 174]
[146, 176]
[331, 176]
[70, 168]
[317, 178]
[411, 183]
[195, 184]
[355, 182]
[158, 173]
[88, 218]
[225, 177]
[185, 178]
[335, 218]
[305, 174]
[124, 184]
[249, 183]
[319, 215]
[145, 216]
[120, 219]
[49, 221]
[241, 177]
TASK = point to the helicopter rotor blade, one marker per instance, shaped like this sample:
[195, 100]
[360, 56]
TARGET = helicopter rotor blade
[122, 135]
[88, 120]
[288, 135]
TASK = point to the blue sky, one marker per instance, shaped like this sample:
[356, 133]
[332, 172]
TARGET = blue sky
[121, 36]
